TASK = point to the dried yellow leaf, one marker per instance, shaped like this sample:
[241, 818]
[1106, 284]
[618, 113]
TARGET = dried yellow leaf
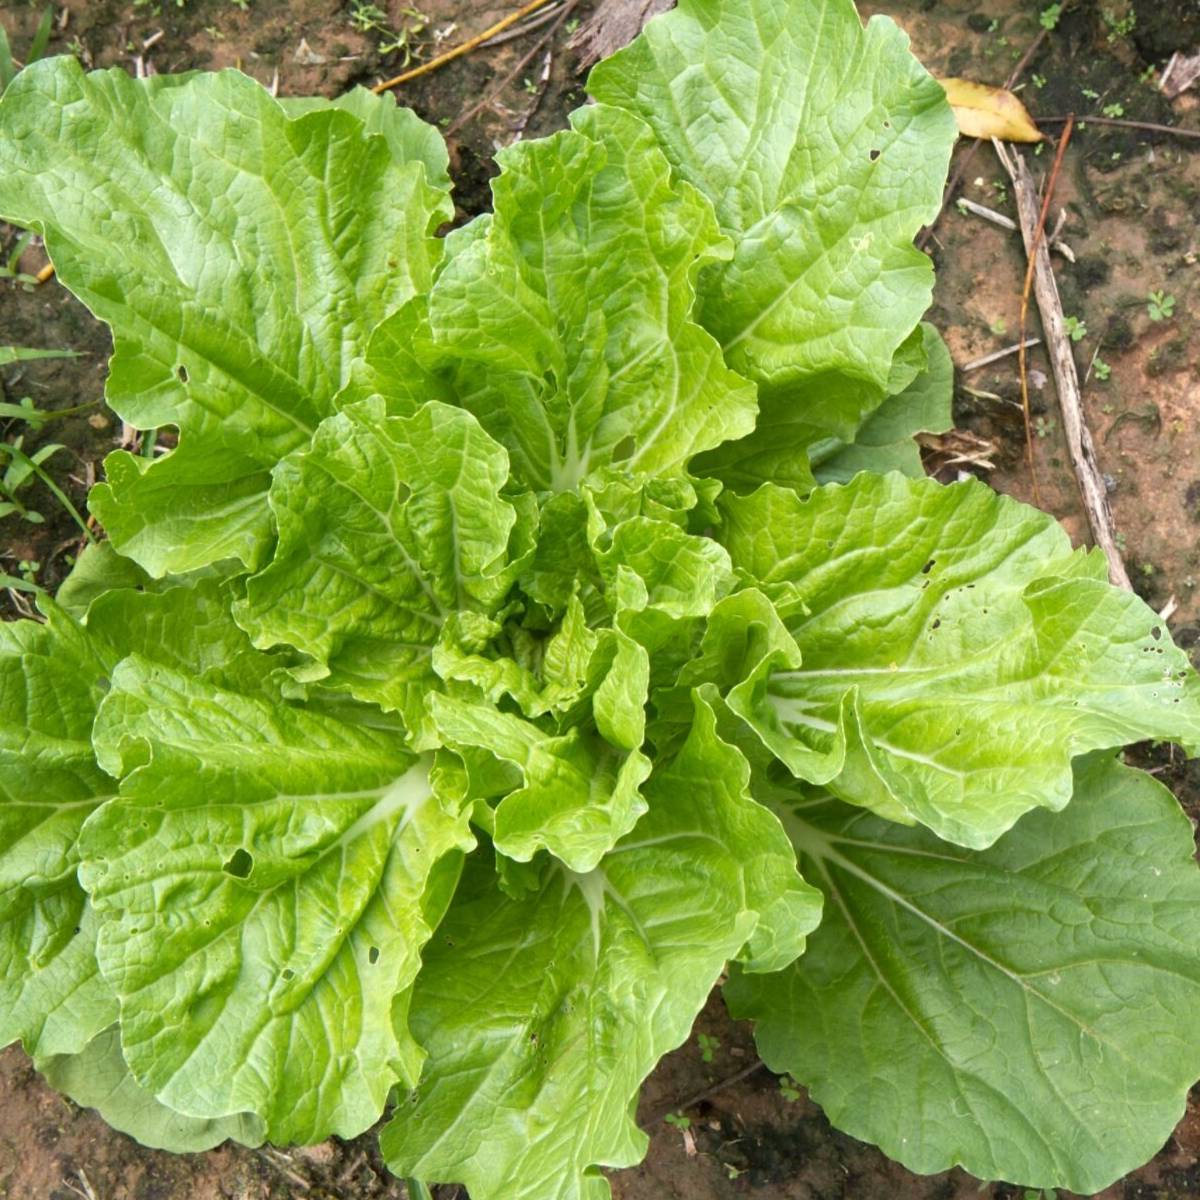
[989, 112]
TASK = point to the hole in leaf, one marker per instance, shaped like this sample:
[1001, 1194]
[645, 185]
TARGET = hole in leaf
[182, 372]
[373, 954]
[403, 491]
[240, 865]
[623, 449]
[936, 623]
[288, 973]
[874, 155]
[1156, 633]
[928, 566]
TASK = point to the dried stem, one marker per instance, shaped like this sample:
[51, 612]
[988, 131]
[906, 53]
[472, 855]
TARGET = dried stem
[465, 48]
[1080, 445]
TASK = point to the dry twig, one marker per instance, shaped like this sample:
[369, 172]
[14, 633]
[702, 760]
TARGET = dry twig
[465, 48]
[986, 360]
[704, 1093]
[1080, 445]
[998, 218]
[546, 39]
[1122, 123]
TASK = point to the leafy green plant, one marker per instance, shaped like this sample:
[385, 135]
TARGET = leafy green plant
[1048, 17]
[1076, 329]
[533, 625]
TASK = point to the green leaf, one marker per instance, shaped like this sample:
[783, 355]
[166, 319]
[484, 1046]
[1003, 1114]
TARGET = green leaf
[98, 1078]
[542, 1015]
[189, 628]
[265, 883]
[581, 792]
[408, 137]
[885, 441]
[661, 583]
[823, 147]
[387, 527]
[242, 260]
[789, 437]
[956, 652]
[52, 678]
[98, 569]
[1027, 1011]
[569, 312]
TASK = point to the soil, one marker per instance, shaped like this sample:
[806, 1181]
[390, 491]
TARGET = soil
[1132, 202]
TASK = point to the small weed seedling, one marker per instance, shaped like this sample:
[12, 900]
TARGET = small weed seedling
[1048, 18]
[1160, 305]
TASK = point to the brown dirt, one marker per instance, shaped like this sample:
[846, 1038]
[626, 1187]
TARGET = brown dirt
[1132, 203]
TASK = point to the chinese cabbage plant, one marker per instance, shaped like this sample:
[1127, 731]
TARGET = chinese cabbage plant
[536, 624]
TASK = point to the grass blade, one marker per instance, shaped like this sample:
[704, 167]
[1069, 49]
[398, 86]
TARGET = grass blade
[30, 465]
[8, 72]
[20, 585]
[12, 354]
[41, 39]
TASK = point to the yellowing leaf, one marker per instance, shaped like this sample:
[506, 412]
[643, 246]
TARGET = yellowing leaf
[989, 112]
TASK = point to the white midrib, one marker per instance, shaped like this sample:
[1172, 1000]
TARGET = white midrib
[794, 712]
[406, 796]
[595, 888]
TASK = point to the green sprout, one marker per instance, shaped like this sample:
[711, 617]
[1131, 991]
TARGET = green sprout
[678, 1120]
[1160, 306]
[1119, 27]
[708, 1045]
[1076, 329]
[1048, 18]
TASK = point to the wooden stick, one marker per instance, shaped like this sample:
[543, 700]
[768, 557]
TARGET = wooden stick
[997, 355]
[1039, 234]
[1080, 445]
[1123, 124]
[465, 48]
